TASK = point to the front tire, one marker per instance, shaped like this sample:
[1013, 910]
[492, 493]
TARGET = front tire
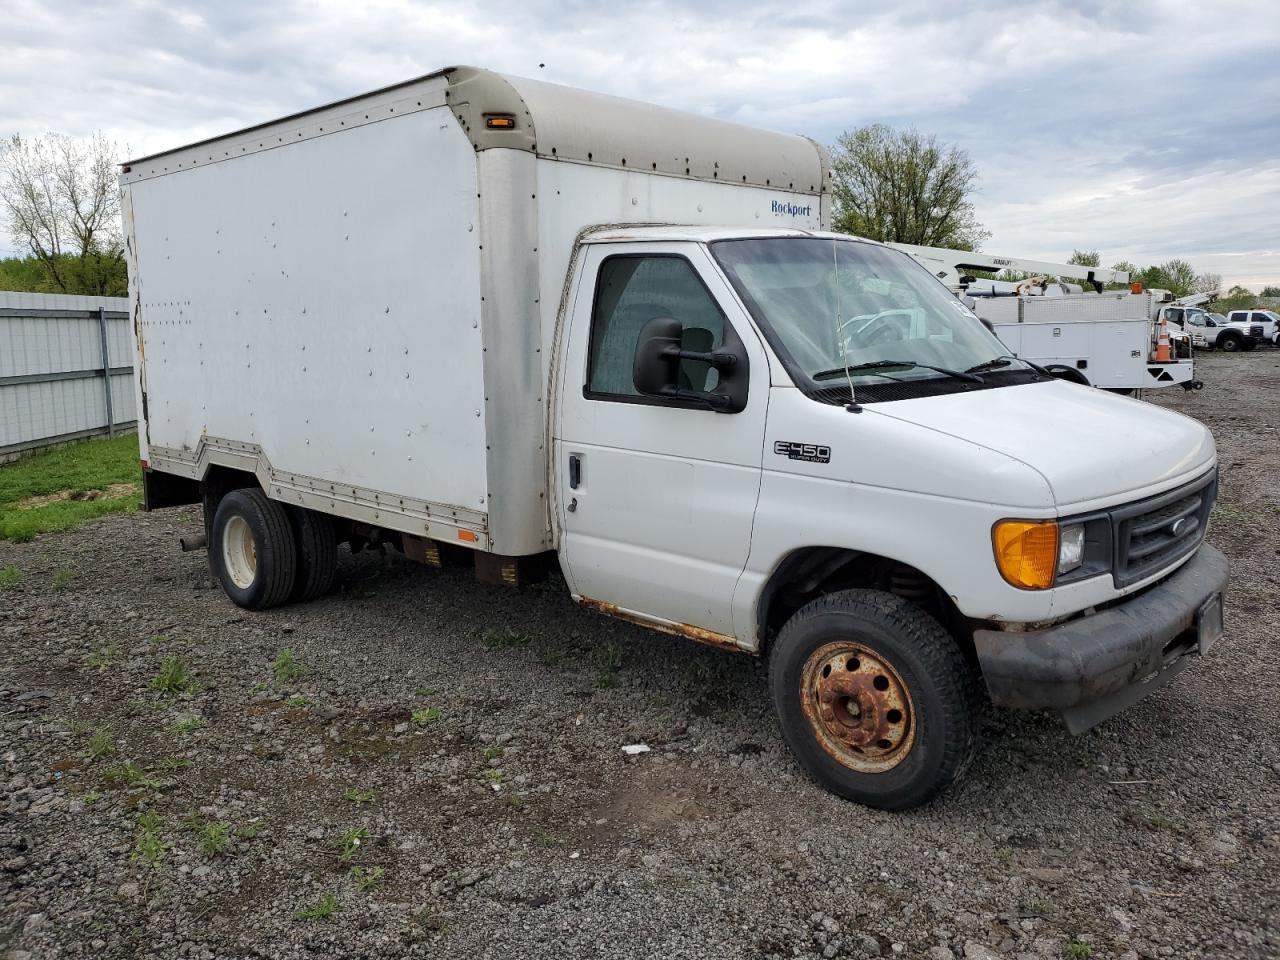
[1229, 344]
[875, 698]
[252, 549]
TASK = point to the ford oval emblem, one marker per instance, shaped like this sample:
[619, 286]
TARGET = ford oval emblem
[1178, 527]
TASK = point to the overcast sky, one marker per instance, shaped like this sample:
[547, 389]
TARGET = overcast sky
[1148, 130]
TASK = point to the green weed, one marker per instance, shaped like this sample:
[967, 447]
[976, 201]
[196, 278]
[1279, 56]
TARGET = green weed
[129, 774]
[104, 656]
[249, 830]
[9, 576]
[1077, 950]
[100, 745]
[349, 843]
[505, 638]
[150, 846]
[425, 716]
[184, 725]
[322, 909]
[174, 678]
[287, 667]
[299, 701]
[63, 576]
[214, 839]
[366, 880]
[359, 797]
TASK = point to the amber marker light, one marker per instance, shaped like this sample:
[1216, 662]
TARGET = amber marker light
[1026, 552]
[500, 123]
[468, 536]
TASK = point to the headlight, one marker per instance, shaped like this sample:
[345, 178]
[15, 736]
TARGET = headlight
[1070, 547]
[1027, 552]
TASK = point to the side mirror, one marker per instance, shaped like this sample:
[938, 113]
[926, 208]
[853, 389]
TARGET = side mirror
[656, 369]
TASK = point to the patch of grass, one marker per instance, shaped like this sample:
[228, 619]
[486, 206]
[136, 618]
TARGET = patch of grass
[515, 800]
[609, 660]
[92, 797]
[505, 638]
[92, 465]
[9, 576]
[423, 692]
[493, 776]
[349, 843]
[544, 839]
[299, 701]
[1038, 906]
[1158, 821]
[366, 880]
[322, 909]
[214, 839]
[249, 830]
[174, 678]
[129, 774]
[425, 716]
[287, 667]
[1077, 950]
[359, 797]
[1004, 857]
[104, 656]
[150, 846]
[184, 725]
[174, 764]
[100, 745]
[63, 576]
[493, 751]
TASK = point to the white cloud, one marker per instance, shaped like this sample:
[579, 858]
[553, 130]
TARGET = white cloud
[1148, 130]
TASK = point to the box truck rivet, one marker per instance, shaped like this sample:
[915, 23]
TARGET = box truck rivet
[978, 532]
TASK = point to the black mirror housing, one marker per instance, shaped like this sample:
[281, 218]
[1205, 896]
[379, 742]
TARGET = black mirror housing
[656, 368]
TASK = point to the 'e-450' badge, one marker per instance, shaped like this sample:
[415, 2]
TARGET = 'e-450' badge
[809, 452]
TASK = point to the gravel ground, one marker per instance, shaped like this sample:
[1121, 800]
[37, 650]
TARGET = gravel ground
[474, 736]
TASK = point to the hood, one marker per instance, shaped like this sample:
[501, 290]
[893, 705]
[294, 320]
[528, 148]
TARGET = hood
[1088, 444]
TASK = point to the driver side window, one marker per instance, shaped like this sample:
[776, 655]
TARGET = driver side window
[631, 290]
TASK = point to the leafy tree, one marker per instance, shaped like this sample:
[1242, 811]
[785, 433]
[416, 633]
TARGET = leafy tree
[1085, 258]
[1208, 282]
[62, 204]
[1270, 292]
[904, 186]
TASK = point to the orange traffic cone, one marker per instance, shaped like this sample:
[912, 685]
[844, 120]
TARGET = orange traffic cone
[1163, 353]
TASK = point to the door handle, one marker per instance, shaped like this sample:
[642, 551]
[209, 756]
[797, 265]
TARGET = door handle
[575, 470]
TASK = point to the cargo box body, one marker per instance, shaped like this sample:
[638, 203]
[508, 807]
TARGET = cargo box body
[359, 304]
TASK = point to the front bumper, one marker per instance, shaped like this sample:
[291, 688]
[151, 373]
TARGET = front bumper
[1093, 667]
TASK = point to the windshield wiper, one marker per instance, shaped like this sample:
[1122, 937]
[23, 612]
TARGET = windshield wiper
[908, 364]
[991, 364]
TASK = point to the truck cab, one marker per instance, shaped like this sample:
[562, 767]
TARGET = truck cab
[762, 435]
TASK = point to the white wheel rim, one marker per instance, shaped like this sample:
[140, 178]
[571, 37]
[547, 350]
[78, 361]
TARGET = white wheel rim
[239, 552]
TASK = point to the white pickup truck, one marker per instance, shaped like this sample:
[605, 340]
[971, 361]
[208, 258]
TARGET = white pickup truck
[1266, 322]
[485, 317]
[1213, 331]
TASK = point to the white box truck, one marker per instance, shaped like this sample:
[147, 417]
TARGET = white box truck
[481, 315]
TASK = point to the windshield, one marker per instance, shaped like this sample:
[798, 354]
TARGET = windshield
[828, 305]
[1218, 319]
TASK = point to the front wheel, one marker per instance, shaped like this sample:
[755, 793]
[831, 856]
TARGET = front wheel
[875, 698]
[1229, 344]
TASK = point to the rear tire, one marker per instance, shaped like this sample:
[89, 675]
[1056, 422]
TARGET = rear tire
[252, 550]
[875, 698]
[317, 546]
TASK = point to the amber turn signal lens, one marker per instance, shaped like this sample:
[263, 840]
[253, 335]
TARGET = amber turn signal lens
[1026, 552]
[468, 536]
[500, 123]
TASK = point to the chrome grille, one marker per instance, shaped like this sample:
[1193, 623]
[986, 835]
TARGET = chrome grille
[1152, 534]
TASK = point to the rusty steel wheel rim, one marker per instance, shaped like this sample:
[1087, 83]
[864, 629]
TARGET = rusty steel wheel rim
[858, 706]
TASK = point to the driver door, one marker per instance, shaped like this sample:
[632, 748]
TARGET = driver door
[656, 496]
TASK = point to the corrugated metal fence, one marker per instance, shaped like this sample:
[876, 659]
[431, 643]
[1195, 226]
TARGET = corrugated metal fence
[66, 369]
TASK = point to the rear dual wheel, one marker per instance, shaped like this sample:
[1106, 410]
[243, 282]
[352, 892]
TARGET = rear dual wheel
[265, 554]
[875, 699]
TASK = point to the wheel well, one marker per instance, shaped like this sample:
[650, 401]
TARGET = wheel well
[217, 483]
[812, 572]
[1070, 374]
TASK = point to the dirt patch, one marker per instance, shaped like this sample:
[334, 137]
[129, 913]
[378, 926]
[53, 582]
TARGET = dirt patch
[113, 492]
